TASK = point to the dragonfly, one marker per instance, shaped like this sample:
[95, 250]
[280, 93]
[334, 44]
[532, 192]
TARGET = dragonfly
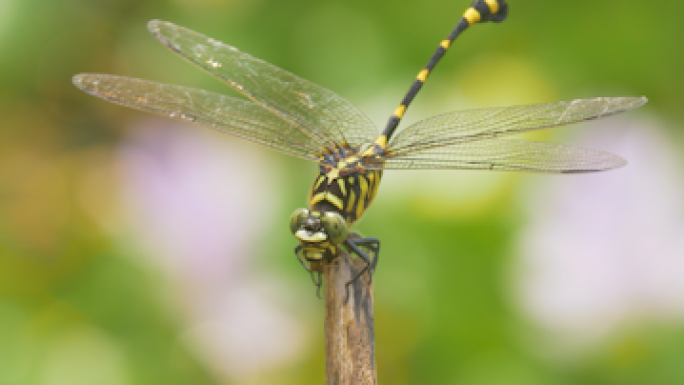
[302, 119]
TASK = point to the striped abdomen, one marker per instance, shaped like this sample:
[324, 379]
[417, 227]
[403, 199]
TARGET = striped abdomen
[348, 195]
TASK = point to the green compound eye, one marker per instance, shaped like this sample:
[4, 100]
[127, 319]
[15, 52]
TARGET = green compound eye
[335, 226]
[297, 219]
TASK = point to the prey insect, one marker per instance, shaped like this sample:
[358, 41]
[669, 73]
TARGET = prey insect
[305, 120]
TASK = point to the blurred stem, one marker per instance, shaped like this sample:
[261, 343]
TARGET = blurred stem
[349, 329]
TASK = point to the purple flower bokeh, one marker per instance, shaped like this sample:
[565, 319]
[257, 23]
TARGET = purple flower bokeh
[602, 251]
[199, 205]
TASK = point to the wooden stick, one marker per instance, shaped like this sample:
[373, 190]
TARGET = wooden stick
[349, 329]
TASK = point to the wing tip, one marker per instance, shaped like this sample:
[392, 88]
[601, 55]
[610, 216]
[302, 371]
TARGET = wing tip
[95, 83]
[85, 81]
[610, 162]
[155, 25]
[165, 32]
[604, 161]
[635, 101]
[162, 29]
[77, 80]
[616, 162]
[629, 102]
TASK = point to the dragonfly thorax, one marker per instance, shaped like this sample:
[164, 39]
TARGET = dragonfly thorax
[344, 186]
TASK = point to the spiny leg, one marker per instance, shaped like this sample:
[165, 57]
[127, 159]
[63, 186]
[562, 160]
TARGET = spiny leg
[374, 245]
[316, 282]
[371, 243]
[353, 243]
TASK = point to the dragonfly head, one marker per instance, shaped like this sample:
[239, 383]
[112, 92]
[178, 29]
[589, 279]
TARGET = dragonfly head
[318, 227]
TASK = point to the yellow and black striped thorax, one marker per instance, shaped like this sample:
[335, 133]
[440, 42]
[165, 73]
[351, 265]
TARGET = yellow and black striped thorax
[344, 185]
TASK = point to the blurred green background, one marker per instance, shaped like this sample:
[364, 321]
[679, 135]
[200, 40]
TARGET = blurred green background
[137, 250]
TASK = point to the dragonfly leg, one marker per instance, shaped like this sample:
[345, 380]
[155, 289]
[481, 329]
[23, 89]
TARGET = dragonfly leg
[374, 245]
[299, 257]
[314, 273]
[354, 243]
[317, 283]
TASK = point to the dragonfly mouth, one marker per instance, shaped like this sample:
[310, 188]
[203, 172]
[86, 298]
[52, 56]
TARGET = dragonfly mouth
[313, 256]
[309, 236]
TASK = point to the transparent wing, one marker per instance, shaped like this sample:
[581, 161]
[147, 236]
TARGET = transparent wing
[324, 116]
[473, 125]
[237, 116]
[507, 155]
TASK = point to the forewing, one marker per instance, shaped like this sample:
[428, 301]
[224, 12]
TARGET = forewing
[324, 116]
[474, 125]
[507, 155]
[233, 115]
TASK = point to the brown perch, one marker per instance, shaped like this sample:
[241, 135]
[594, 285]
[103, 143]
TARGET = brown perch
[349, 329]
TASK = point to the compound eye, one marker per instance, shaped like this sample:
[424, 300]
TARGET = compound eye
[335, 226]
[297, 218]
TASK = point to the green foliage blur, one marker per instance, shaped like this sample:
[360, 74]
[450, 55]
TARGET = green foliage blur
[82, 301]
